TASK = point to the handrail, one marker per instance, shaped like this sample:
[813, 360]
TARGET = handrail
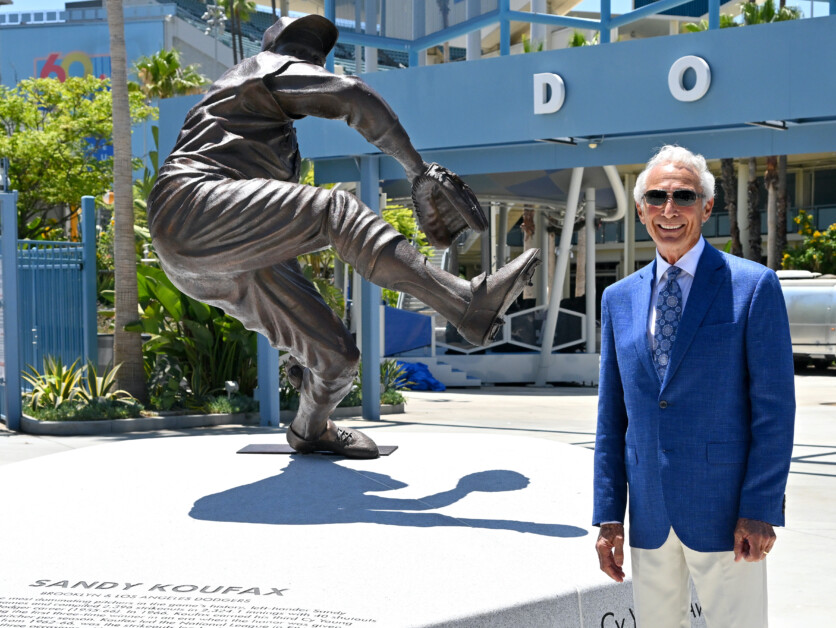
[504, 15]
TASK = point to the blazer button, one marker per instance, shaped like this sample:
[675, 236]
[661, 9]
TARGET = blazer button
[663, 404]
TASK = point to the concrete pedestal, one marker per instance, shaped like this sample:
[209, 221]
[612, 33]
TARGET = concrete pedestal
[450, 530]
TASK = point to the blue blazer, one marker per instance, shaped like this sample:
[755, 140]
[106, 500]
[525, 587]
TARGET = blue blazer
[712, 442]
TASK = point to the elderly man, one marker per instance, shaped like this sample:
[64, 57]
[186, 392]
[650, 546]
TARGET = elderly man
[695, 414]
[228, 219]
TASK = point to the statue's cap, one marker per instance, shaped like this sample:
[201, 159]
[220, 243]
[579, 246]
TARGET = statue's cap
[312, 29]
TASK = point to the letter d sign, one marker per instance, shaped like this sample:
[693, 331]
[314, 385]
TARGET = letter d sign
[544, 101]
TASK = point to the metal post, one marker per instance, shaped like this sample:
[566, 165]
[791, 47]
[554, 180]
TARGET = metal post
[589, 232]
[88, 278]
[268, 383]
[606, 17]
[505, 28]
[11, 315]
[370, 297]
[713, 14]
[547, 335]
[331, 14]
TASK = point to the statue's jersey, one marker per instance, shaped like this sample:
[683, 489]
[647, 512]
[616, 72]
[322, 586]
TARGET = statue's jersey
[239, 130]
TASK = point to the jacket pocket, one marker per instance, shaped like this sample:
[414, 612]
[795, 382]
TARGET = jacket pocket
[735, 452]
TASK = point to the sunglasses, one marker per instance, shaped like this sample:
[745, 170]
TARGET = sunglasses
[682, 198]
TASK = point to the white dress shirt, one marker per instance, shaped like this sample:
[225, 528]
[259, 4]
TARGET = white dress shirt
[688, 264]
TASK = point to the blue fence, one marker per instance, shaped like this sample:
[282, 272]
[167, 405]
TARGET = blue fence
[51, 293]
[49, 301]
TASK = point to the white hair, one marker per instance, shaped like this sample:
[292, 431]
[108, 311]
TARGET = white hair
[672, 154]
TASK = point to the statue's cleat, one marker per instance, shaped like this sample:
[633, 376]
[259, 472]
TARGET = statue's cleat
[492, 295]
[339, 440]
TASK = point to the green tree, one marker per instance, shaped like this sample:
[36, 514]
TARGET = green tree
[726, 21]
[579, 40]
[55, 135]
[766, 13]
[162, 75]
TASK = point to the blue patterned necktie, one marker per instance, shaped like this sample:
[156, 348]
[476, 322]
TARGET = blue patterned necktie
[668, 313]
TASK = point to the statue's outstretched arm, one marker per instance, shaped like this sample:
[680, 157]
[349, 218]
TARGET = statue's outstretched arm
[308, 90]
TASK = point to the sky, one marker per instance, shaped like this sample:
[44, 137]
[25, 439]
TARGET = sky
[618, 6]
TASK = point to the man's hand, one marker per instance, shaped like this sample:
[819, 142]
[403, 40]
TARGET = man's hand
[610, 548]
[753, 540]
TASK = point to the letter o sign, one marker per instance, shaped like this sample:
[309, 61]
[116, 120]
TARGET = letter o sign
[676, 78]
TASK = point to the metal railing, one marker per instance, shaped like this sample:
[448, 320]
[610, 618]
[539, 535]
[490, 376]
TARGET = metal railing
[524, 329]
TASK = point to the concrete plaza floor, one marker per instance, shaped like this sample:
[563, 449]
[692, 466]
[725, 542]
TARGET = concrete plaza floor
[799, 584]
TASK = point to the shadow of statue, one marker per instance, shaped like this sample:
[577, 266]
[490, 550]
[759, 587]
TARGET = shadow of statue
[315, 490]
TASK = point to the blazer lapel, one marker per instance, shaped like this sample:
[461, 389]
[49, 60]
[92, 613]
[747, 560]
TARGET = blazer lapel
[707, 281]
[640, 311]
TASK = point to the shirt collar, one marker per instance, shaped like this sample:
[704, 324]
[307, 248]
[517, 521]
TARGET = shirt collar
[688, 262]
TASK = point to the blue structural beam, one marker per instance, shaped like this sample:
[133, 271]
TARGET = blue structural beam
[553, 20]
[646, 11]
[370, 302]
[331, 14]
[88, 279]
[11, 315]
[606, 22]
[268, 382]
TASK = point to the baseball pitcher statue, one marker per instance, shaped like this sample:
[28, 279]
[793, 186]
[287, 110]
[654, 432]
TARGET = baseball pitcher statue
[228, 219]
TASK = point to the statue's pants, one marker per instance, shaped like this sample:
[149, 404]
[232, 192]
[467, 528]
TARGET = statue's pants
[233, 244]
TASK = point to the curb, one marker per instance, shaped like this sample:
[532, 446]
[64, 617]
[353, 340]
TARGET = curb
[30, 425]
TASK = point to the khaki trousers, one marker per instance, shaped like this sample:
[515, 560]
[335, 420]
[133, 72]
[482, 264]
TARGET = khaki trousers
[731, 595]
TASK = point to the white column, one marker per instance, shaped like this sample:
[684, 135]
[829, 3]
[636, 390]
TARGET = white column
[550, 324]
[371, 29]
[629, 226]
[538, 31]
[541, 275]
[474, 39]
[590, 270]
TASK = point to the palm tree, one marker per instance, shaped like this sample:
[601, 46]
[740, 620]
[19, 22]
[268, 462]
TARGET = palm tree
[238, 12]
[775, 178]
[162, 76]
[770, 181]
[781, 209]
[728, 180]
[754, 212]
[127, 346]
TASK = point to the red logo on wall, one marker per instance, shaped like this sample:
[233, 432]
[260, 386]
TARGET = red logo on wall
[75, 63]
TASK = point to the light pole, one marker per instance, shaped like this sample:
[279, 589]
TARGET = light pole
[216, 25]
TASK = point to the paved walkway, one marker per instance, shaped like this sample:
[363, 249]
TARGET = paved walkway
[800, 574]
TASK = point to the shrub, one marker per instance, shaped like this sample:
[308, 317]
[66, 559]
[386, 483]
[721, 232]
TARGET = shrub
[817, 252]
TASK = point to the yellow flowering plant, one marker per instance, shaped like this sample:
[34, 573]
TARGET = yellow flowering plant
[817, 251]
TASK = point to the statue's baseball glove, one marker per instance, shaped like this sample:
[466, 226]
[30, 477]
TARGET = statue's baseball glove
[445, 206]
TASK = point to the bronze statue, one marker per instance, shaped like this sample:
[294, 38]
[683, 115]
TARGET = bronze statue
[228, 219]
